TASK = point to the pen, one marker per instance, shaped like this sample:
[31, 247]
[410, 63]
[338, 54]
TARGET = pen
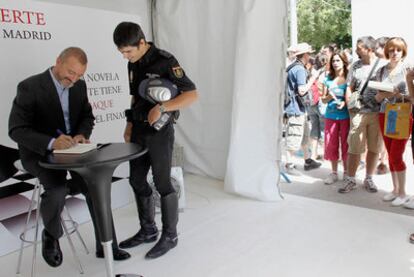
[102, 145]
[59, 132]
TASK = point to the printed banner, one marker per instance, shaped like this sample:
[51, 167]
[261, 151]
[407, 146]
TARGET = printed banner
[32, 35]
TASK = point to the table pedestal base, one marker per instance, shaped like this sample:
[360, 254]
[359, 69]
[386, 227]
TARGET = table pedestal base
[107, 248]
[96, 168]
[109, 257]
[128, 275]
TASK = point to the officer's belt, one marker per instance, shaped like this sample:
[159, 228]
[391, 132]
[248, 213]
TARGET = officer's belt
[135, 115]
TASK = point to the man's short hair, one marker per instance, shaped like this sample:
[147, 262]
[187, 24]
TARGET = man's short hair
[76, 52]
[128, 34]
[321, 60]
[368, 42]
[380, 42]
[331, 47]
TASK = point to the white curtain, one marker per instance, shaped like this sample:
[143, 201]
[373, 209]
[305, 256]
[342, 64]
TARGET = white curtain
[234, 52]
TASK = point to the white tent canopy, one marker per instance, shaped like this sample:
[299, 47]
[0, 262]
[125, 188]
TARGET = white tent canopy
[234, 51]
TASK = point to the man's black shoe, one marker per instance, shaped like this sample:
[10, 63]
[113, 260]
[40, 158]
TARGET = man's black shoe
[165, 244]
[119, 254]
[51, 250]
[139, 238]
[311, 164]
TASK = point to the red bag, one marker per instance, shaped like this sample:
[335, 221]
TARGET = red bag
[315, 93]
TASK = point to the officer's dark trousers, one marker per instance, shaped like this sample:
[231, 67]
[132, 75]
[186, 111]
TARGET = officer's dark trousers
[53, 200]
[159, 155]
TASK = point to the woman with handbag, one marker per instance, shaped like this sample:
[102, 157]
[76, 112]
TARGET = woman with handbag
[336, 115]
[392, 116]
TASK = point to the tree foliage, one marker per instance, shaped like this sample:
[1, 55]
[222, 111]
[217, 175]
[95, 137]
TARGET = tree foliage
[322, 22]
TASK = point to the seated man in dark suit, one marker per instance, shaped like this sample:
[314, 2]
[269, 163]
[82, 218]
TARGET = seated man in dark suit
[51, 111]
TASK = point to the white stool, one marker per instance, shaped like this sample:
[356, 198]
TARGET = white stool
[35, 200]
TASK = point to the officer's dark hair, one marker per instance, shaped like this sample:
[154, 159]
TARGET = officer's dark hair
[368, 42]
[128, 34]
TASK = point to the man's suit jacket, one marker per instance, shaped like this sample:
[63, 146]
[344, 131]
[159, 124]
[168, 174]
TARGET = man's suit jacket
[37, 115]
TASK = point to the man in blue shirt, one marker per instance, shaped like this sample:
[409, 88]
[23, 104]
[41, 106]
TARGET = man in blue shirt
[297, 87]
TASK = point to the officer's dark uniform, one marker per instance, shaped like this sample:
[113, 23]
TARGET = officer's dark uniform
[155, 63]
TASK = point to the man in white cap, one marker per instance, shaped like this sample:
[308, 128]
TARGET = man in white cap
[297, 87]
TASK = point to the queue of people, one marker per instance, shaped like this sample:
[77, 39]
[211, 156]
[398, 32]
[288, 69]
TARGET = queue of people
[363, 123]
[352, 134]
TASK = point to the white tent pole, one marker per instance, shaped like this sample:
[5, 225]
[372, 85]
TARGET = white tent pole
[152, 7]
[293, 23]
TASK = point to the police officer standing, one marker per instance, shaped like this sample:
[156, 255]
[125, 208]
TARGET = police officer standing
[146, 61]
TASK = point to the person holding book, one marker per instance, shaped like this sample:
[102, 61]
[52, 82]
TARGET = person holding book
[394, 73]
[50, 112]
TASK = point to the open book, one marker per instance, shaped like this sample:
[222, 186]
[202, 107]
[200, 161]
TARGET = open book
[77, 149]
[383, 86]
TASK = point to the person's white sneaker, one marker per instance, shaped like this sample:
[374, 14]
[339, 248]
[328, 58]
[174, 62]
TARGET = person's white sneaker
[400, 201]
[348, 186]
[291, 170]
[409, 204]
[389, 196]
[332, 178]
[370, 185]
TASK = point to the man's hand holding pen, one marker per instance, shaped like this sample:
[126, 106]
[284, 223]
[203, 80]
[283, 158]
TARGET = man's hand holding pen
[64, 141]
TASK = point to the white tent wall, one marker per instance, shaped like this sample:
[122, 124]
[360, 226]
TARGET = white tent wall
[251, 165]
[376, 18]
[206, 52]
[234, 51]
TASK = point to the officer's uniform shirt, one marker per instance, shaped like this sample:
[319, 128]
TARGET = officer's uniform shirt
[156, 63]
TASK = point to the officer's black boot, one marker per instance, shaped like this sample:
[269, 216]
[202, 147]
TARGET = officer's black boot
[169, 239]
[148, 231]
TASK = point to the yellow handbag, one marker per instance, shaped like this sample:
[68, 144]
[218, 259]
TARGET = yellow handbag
[397, 120]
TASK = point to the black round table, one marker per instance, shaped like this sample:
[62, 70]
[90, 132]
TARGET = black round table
[97, 167]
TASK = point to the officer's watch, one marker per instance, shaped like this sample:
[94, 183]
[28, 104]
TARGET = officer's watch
[162, 108]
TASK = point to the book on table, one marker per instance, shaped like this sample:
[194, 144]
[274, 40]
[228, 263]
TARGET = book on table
[79, 148]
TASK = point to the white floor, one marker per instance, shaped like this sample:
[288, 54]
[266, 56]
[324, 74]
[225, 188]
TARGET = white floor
[224, 235]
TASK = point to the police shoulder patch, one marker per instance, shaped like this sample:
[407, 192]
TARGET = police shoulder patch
[165, 53]
[178, 71]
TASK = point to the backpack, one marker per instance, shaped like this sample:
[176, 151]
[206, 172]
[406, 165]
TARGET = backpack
[290, 96]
